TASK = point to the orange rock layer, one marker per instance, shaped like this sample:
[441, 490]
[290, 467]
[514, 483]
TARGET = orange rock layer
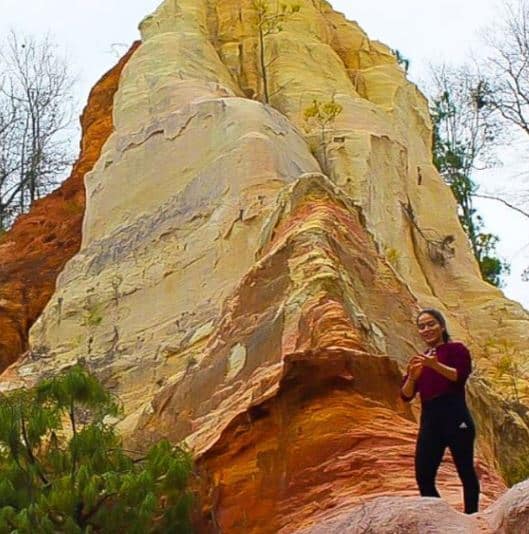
[291, 463]
[34, 251]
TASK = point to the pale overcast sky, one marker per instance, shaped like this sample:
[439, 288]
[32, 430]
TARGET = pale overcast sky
[96, 32]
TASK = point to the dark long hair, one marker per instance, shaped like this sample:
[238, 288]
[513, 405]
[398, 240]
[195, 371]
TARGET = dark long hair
[440, 319]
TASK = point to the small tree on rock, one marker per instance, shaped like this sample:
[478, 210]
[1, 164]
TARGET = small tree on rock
[506, 360]
[322, 115]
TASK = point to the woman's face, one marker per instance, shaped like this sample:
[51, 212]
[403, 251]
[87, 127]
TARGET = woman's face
[430, 329]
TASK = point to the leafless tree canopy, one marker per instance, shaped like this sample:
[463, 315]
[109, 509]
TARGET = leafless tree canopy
[36, 111]
[507, 68]
[508, 63]
[468, 124]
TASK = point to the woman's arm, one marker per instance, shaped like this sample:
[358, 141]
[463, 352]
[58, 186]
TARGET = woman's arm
[447, 372]
[408, 389]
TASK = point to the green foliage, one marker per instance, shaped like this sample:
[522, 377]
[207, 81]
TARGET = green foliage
[271, 18]
[323, 115]
[93, 315]
[464, 132]
[323, 112]
[505, 358]
[401, 60]
[518, 471]
[392, 255]
[492, 268]
[63, 469]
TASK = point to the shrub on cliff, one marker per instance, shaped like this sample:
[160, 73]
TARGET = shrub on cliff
[63, 468]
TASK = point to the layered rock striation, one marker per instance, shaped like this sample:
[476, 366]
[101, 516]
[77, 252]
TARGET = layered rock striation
[252, 291]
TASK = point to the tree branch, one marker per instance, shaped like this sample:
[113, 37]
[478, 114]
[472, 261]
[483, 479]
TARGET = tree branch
[84, 517]
[29, 451]
[498, 199]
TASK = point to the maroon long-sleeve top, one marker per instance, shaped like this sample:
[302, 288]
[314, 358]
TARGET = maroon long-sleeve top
[431, 384]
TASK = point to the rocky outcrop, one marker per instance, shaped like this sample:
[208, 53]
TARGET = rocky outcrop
[294, 409]
[510, 514]
[387, 515]
[251, 291]
[35, 250]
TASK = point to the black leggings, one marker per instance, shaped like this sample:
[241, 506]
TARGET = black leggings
[446, 422]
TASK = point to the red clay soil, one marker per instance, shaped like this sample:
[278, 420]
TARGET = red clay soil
[35, 250]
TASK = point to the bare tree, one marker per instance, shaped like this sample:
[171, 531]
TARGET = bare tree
[508, 63]
[36, 112]
[8, 165]
[507, 68]
[466, 132]
[464, 117]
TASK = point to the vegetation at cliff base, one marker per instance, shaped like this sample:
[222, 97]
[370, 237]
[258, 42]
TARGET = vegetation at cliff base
[63, 467]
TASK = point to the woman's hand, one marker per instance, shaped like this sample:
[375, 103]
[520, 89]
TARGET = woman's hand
[428, 360]
[415, 368]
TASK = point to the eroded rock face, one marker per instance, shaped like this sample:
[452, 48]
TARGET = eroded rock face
[387, 515]
[243, 292]
[294, 409]
[510, 514]
[35, 250]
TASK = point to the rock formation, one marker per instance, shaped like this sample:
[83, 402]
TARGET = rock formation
[251, 291]
[387, 515]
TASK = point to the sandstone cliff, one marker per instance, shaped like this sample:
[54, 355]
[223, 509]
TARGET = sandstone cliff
[242, 291]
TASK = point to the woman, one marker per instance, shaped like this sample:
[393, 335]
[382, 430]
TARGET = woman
[439, 376]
